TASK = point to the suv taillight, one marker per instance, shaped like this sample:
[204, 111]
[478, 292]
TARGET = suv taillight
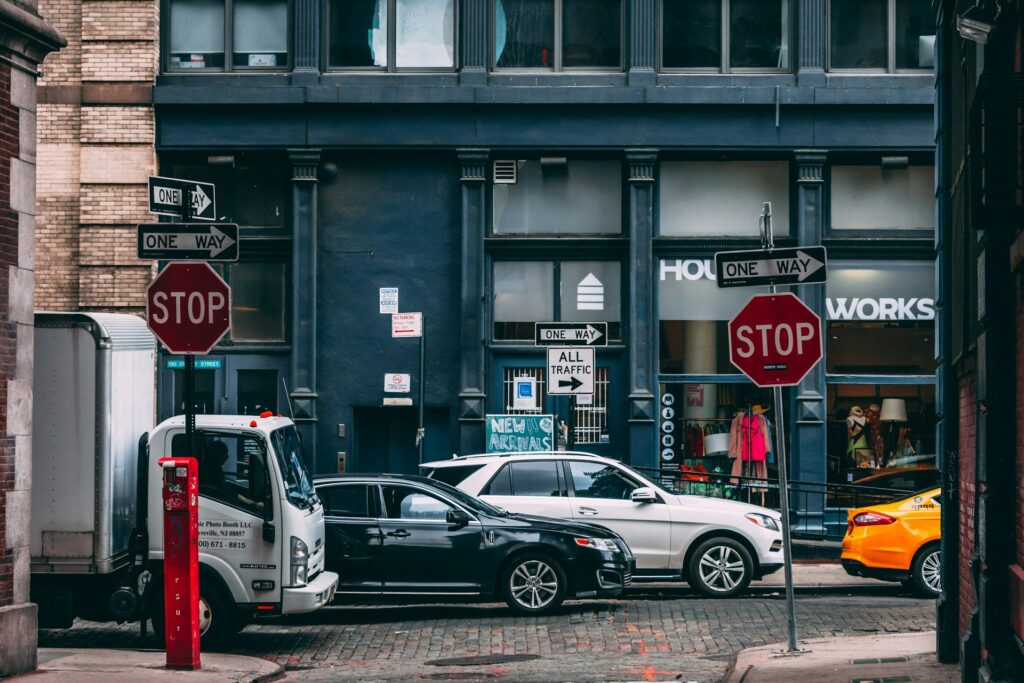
[872, 519]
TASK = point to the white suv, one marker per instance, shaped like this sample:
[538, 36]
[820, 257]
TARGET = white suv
[717, 545]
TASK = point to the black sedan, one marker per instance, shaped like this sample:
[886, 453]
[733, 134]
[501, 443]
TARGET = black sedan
[412, 536]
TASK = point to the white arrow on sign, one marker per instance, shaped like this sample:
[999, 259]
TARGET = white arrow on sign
[801, 265]
[200, 201]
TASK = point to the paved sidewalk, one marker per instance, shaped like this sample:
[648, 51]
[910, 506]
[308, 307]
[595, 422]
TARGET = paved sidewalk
[896, 656]
[823, 575]
[111, 666]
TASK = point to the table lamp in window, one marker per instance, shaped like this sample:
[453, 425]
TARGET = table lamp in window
[894, 411]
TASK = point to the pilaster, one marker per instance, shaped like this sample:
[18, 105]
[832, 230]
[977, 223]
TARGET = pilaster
[812, 46]
[306, 40]
[643, 33]
[475, 40]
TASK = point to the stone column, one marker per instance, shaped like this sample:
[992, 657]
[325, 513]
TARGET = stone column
[303, 301]
[306, 40]
[473, 335]
[812, 48]
[475, 42]
[809, 462]
[643, 41]
[643, 403]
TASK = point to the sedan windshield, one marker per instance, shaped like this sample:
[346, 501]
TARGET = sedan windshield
[288, 450]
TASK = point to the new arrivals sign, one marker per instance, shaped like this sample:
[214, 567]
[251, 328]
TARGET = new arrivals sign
[519, 433]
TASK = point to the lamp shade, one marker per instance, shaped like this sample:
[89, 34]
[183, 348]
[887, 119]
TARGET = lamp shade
[893, 410]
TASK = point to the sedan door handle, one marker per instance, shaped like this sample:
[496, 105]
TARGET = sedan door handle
[587, 511]
[399, 533]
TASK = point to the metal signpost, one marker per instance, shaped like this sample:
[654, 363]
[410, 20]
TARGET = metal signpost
[775, 340]
[411, 325]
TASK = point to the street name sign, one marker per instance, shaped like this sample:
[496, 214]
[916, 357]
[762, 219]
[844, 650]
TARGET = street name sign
[188, 241]
[167, 198]
[570, 370]
[758, 267]
[188, 307]
[406, 324]
[571, 334]
[775, 340]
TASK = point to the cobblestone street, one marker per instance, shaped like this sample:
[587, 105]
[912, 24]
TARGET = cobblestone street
[656, 633]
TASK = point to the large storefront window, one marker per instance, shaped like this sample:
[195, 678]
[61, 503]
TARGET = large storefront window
[199, 30]
[881, 318]
[525, 294]
[876, 198]
[722, 198]
[552, 197]
[882, 35]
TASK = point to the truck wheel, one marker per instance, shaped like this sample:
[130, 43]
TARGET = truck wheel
[720, 568]
[533, 583]
[217, 619]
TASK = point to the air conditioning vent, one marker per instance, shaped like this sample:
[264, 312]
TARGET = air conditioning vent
[505, 171]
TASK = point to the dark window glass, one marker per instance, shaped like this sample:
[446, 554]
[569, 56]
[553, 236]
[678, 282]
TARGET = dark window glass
[453, 475]
[692, 34]
[252, 196]
[346, 501]
[537, 478]
[591, 33]
[523, 295]
[406, 503]
[858, 30]
[758, 34]
[889, 348]
[501, 485]
[257, 301]
[359, 33]
[597, 480]
[203, 396]
[257, 391]
[232, 470]
[260, 33]
[915, 34]
[524, 34]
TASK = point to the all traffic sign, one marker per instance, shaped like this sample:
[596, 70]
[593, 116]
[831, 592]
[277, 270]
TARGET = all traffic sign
[775, 340]
[570, 370]
[167, 197]
[756, 267]
[571, 334]
[188, 307]
[188, 241]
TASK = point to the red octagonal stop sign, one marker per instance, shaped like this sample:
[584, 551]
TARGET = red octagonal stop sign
[188, 307]
[775, 340]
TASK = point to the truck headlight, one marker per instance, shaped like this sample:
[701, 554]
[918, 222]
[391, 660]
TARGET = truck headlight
[763, 521]
[300, 562]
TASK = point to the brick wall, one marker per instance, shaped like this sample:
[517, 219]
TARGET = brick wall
[967, 407]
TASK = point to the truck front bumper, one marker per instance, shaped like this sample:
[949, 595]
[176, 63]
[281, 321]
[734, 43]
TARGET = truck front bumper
[310, 597]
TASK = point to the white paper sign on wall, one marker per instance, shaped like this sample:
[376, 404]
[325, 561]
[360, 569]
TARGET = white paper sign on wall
[388, 300]
[524, 395]
[406, 324]
[397, 383]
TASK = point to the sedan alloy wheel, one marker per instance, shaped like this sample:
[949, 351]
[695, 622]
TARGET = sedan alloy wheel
[534, 584]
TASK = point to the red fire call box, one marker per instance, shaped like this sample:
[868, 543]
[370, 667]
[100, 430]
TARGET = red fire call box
[181, 561]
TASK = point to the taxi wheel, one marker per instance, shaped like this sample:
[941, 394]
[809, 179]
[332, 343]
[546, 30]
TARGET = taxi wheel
[927, 571]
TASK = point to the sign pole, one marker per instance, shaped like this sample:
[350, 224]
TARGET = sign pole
[768, 240]
[190, 359]
[421, 432]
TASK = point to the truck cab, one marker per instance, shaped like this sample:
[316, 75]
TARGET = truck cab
[261, 525]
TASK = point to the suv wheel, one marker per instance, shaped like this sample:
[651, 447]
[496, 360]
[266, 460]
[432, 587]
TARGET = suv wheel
[720, 568]
[533, 584]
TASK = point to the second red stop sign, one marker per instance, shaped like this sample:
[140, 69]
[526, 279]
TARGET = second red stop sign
[775, 340]
[188, 307]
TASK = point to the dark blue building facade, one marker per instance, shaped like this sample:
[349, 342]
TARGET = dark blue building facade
[502, 163]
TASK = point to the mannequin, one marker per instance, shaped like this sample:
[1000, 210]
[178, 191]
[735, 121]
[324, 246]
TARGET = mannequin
[856, 438]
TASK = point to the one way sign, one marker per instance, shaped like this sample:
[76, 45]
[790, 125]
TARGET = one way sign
[188, 241]
[571, 334]
[167, 198]
[798, 266]
[570, 370]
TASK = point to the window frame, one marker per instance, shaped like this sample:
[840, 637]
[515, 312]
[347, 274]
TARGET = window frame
[560, 476]
[890, 57]
[557, 47]
[392, 41]
[204, 436]
[371, 499]
[724, 67]
[915, 159]
[229, 40]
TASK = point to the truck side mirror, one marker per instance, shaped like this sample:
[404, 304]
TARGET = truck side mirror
[269, 532]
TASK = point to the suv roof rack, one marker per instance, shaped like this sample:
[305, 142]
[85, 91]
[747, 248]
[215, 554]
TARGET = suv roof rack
[522, 453]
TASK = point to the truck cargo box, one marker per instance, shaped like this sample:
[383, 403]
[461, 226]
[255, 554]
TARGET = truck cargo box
[94, 396]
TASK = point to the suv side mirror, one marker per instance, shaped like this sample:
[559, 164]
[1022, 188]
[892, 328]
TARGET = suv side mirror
[457, 516]
[644, 494]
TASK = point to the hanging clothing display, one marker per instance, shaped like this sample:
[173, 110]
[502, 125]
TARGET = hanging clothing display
[749, 444]
[876, 441]
[857, 449]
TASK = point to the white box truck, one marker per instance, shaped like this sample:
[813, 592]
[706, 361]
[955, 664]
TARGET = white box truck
[97, 524]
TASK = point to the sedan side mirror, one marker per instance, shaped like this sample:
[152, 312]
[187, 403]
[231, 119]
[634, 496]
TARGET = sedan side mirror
[457, 516]
[643, 494]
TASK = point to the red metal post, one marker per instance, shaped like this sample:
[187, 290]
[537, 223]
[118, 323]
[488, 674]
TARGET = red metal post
[181, 561]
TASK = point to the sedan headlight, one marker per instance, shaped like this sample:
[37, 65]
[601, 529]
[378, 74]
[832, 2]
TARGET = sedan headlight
[763, 521]
[598, 543]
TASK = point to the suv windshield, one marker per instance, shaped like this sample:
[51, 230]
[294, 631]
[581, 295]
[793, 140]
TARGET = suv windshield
[288, 451]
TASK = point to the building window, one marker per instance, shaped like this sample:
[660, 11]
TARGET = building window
[721, 198]
[252, 196]
[392, 34]
[257, 301]
[881, 35]
[871, 197]
[525, 294]
[557, 197]
[254, 33]
[726, 35]
[558, 34]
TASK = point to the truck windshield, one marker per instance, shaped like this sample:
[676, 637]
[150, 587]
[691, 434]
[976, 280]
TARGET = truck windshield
[288, 450]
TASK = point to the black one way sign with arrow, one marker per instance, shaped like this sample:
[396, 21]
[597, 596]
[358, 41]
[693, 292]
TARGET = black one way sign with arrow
[189, 241]
[796, 266]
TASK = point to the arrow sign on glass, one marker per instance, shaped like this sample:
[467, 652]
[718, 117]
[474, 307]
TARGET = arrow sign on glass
[754, 268]
[167, 197]
[189, 241]
[571, 334]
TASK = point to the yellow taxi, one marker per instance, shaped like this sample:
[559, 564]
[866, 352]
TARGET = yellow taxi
[897, 542]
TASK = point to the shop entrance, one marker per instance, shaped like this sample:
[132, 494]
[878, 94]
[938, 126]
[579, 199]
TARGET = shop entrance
[385, 438]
